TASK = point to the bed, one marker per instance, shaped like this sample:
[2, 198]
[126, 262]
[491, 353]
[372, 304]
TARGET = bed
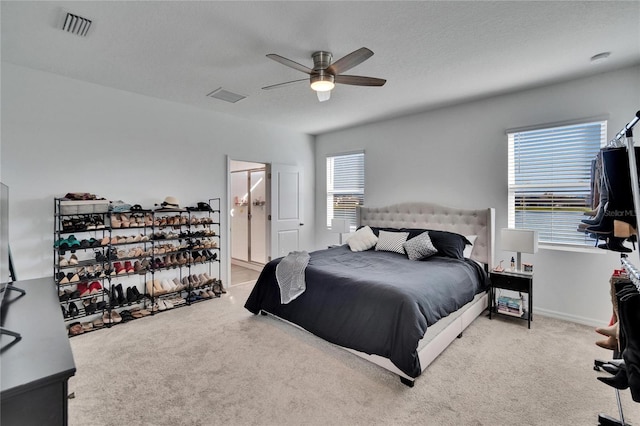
[395, 312]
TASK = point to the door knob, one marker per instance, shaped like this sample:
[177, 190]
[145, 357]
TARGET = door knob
[302, 224]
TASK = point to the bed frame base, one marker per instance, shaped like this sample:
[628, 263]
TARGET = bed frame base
[407, 382]
[436, 339]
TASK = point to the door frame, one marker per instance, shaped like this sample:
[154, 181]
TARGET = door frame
[227, 244]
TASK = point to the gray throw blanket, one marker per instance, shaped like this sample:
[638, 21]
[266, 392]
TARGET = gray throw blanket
[290, 275]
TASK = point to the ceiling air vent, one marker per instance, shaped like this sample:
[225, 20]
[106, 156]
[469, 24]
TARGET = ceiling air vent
[76, 24]
[225, 95]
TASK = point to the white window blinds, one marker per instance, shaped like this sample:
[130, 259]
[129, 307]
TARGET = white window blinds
[550, 180]
[345, 186]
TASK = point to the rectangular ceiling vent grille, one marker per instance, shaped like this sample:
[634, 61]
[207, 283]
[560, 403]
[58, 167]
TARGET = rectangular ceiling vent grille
[225, 95]
[75, 24]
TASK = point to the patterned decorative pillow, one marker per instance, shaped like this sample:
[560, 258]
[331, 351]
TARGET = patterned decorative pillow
[391, 241]
[420, 247]
[363, 239]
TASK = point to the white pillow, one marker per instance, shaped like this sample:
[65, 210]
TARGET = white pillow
[391, 241]
[420, 247]
[363, 239]
[469, 248]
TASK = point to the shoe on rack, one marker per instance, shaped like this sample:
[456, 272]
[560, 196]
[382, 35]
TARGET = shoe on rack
[150, 287]
[90, 306]
[118, 269]
[157, 287]
[611, 369]
[217, 289]
[95, 288]
[83, 289]
[609, 343]
[615, 244]
[136, 293]
[131, 298]
[73, 310]
[73, 243]
[619, 381]
[178, 285]
[193, 281]
[166, 286]
[610, 331]
[121, 299]
[115, 317]
[75, 329]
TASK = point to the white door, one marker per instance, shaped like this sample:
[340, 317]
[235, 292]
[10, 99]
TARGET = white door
[286, 209]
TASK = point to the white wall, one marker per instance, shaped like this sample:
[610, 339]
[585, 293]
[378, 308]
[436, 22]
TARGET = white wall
[457, 156]
[62, 135]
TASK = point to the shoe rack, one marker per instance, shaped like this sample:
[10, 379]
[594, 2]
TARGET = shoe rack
[115, 266]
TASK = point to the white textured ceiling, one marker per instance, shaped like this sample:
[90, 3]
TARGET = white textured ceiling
[431, 53]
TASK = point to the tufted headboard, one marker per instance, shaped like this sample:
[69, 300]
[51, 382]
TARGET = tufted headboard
[434, 216]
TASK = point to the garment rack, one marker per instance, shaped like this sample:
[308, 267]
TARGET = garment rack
[627, 132]
[633, 272]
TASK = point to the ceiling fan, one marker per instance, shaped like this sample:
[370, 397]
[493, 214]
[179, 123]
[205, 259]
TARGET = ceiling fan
[324, 75]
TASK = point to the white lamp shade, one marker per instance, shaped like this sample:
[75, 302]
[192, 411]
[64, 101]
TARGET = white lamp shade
[519, 240]
[340, 226]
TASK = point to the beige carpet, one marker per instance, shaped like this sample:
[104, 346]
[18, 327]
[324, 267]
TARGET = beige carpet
[216, 364]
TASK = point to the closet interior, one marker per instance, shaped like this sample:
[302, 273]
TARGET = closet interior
[616, 222]
[249, 214]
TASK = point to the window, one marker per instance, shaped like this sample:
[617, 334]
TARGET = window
[345, 186]
[550, 180]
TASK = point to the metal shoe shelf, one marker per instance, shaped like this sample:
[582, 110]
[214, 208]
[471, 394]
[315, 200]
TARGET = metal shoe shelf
[66, 226]
[187, 240]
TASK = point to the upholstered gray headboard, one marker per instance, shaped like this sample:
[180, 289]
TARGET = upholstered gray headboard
[434, 216]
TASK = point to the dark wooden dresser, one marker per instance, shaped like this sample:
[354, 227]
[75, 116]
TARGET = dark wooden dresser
[34, 370]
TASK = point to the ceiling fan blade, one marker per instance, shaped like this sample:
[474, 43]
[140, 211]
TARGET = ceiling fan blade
[275, 86]
[357, 80]
[324, 96]
[290, 63]
[349, 61]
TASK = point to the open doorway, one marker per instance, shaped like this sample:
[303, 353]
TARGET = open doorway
[248, 219]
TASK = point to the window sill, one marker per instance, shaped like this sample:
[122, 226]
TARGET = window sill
[574, 249]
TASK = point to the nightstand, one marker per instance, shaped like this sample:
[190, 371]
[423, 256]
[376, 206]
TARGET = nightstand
[515, 281]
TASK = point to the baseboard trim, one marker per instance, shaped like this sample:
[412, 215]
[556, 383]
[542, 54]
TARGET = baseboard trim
[567, 317]
[254, 266]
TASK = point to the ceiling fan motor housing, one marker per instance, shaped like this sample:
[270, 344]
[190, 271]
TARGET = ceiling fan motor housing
[321, 60]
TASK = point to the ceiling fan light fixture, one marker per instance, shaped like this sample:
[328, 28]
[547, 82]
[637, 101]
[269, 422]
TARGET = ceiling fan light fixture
[322, 82]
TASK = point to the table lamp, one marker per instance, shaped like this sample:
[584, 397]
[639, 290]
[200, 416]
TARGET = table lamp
[340, 226]
[520, 241]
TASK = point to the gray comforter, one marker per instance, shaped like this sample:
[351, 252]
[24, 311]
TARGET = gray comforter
[373, 301]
